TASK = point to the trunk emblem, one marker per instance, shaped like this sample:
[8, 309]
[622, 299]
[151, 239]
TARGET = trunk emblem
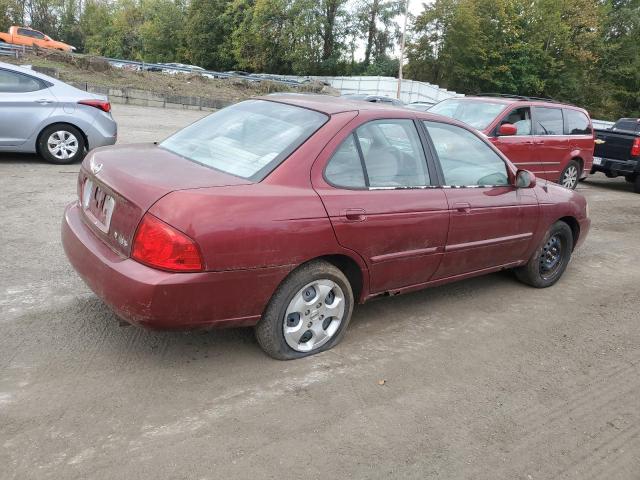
[96, 167]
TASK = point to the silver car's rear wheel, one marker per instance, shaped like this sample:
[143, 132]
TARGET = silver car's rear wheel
[314, 315]
[62, 145]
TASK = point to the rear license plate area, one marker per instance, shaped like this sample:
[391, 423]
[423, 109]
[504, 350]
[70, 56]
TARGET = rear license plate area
[97, 204]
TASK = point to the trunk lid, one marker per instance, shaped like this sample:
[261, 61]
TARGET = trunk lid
[117, 185]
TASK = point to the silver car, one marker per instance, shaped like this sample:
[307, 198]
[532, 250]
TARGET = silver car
[39, 114]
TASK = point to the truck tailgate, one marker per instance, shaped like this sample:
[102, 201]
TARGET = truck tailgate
[616, 146]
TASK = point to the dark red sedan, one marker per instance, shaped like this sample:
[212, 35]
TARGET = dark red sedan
[284, 211]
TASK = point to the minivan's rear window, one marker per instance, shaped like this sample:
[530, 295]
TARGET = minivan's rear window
[248, 139]
[477, 113]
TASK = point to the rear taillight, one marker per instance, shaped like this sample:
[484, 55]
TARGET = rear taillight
[159, 245]
[99, 104]
[635, 148]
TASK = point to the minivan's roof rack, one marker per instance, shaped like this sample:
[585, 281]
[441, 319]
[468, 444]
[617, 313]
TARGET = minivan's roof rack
[520, 97]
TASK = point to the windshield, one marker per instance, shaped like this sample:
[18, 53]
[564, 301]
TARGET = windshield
[477, 113]
[248, 139]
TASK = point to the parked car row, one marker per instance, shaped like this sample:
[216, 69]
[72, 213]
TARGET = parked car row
[318, 203]
[175, 68]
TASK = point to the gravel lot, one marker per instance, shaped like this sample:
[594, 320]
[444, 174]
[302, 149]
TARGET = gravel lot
[485, 379]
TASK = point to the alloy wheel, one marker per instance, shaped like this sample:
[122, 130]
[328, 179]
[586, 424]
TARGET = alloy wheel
[570, 177]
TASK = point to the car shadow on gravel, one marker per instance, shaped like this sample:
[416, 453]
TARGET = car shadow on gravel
[85, 326]
[601, 182]
[10, 158]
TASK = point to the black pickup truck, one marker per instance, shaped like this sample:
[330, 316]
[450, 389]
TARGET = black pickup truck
[617, 151]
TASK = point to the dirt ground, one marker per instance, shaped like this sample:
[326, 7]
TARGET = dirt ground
[485, 379]
[82, 69]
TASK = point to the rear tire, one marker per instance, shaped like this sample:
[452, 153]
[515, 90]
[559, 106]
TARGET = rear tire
[636, 184]
[570, 175]
[551, 258]
[61, 144]
[301, 312]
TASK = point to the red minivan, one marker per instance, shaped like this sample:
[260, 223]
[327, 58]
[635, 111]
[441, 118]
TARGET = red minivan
[553, 140]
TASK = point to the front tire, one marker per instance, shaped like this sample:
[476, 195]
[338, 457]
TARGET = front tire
[550, 260]
[61, 144]
[570, 175]
[308, 313]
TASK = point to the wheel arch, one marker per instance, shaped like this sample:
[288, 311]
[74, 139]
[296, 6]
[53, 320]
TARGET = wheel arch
[356, 273]
[574, 225]
[580, 162]
[351, 270]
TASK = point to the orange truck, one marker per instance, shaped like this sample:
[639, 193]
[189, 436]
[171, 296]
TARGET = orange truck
[30, 37]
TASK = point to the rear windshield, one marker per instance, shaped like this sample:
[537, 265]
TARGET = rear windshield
[477, 113]
[248, 139]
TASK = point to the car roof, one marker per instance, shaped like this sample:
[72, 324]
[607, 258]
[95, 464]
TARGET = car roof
[329, 104]
[506, 100]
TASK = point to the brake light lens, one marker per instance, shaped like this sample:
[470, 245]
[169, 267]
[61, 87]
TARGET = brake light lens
[99, 104]
[161, 246]
[635, 149]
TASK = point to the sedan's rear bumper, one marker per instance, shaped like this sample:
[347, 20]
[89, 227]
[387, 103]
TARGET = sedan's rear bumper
[164, 300]
[102, 132]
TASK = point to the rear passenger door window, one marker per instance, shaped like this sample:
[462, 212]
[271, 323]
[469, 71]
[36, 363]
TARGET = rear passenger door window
[380, 154]
[576, 123]
[548, 121]
[11, 82]
[464, 158]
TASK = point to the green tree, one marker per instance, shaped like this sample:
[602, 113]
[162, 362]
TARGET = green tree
[69, 29]
[375, 19]
[12, 12]
[620, 61]
[206, 34]
[161, 34]
[96, 26]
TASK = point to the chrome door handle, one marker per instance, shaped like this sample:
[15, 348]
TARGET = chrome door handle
[44, 101]
[463, 207]
[355, 214]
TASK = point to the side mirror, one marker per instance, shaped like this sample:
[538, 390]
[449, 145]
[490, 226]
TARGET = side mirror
[507, 129]
[525, 179]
